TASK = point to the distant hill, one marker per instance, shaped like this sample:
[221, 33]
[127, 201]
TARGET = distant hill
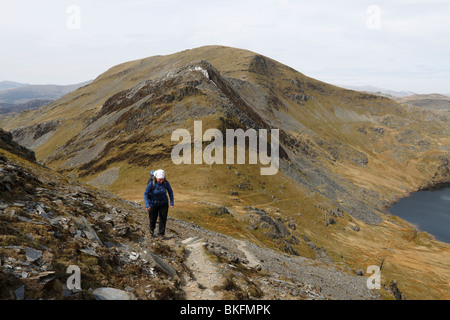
[5, 85]
[379, 91]
[30, 105]
[429, 101]
[25, 93]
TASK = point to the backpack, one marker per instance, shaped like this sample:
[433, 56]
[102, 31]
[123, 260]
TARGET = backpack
[153, 182]
[151, 176]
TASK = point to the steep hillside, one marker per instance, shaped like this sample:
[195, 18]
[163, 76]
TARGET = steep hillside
[345, 156]
[51, 225]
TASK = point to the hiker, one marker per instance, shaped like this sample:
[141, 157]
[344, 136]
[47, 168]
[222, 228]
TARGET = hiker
[157, 202]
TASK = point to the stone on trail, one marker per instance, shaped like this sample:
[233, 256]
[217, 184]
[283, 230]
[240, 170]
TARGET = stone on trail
[157, 262]
[112, 294]
[191, 240]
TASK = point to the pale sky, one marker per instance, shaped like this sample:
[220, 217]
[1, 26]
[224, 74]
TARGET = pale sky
[397, 45]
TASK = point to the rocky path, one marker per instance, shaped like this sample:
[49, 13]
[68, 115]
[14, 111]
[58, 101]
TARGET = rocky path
[279, 275]
[253, 262]
[204, 274]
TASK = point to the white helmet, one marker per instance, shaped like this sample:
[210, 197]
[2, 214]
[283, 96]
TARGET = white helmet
[159, 174]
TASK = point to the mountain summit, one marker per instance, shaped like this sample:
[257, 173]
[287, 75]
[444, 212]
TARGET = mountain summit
[344, 156]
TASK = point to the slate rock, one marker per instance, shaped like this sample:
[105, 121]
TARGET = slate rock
[157, 262]
[86, 227]
[90, 252]
[112, 294]
[279, 227]
[32, 254]
[20, 293]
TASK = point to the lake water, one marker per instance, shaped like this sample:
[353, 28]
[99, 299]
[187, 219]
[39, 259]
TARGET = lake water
[429, 210]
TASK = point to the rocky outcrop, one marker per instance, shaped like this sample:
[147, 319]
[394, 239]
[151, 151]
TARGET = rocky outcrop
[48, 224]
[33, 136]
[7, 143]
[443, 171]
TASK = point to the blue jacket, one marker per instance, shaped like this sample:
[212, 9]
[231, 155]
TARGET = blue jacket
[157, 195]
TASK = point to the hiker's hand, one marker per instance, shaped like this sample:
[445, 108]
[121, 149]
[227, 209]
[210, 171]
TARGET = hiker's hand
[148, 209]
[171, 207]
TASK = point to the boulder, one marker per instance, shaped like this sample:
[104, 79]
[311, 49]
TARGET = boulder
[112, 294]
[220, 212]
[279, 227]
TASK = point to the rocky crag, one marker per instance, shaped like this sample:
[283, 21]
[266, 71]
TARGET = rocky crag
[7, 143]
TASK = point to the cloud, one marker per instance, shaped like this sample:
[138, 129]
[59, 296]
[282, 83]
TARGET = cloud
[323, 39]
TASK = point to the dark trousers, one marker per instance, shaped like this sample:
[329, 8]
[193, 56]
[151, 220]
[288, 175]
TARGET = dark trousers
[160, 211]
